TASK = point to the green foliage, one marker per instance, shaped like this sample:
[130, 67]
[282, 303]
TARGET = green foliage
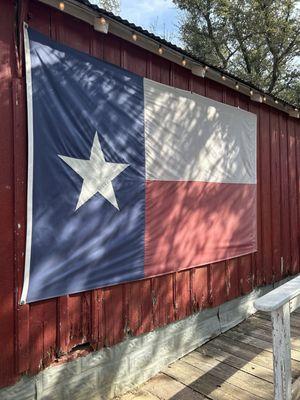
[257, 40]
[108, 5]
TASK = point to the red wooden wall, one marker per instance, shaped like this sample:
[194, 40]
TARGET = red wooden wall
[36, 334]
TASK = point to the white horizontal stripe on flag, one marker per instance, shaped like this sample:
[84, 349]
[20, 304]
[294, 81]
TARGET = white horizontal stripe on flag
[192, 138]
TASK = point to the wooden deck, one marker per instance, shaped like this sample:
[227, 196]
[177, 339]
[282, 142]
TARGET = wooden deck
[234, 366]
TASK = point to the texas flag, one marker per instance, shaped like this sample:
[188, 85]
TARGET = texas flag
[128, 178]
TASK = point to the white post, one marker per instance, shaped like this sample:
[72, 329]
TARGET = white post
[282, 353]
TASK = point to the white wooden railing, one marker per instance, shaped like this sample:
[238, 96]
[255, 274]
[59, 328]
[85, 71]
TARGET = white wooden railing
[280, 302]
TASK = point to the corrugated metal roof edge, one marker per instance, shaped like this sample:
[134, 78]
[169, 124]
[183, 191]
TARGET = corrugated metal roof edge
[183, 52]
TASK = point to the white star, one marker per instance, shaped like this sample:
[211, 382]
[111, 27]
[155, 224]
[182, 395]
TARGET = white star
[97, 174]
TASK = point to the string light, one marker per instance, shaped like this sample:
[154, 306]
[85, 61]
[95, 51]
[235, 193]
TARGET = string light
[102, 20]
[134, 36]
[101, 25]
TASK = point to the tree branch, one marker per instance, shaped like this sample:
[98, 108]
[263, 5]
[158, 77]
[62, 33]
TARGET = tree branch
[243, 48]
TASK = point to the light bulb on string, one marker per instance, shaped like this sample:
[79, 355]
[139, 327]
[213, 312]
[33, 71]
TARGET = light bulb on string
[160, 50]
[61, 5]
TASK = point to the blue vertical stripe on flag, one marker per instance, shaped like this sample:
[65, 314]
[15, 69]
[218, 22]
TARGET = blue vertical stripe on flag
[74, 98]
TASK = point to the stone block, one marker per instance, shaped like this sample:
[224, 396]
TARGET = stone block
[24, 389]
[56, 374]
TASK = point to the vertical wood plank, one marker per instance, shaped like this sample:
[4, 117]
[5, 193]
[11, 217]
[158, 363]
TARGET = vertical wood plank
[182, 294]
[97, 311]
[74, 319]
[113, 315]
[96, 297]
[86, 306]
[181, 77]
[76, 309]
[275, 195]
[7, 276]
[182, 279]
[36, 336]
[20, 161]
[245, 274]
[41, 320]
[162, 287]
[97, 316]
[63, 323]
[232, 267]
[112, 50]
[96, 45]
[140, 318]
[200, 288]
[266, 195]
[245, 267]
[217, 270]
[243, 102]
[39, 17]
[217, 283]
[198, 85]
[134, 59]
[213, 90]
[229, 97]
[292, 178]
[285, 206]
[257, 265]
[42, 334]
[49, 332]
[42, 315]
[232, 278]
[297, 136]
[163, 300]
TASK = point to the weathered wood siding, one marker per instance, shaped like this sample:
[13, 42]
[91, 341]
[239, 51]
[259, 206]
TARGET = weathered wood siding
[34, 335]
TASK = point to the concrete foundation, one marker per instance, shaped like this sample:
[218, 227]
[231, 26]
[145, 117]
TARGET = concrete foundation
[112, 371]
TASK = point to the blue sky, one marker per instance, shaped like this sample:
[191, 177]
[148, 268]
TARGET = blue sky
[158, 16]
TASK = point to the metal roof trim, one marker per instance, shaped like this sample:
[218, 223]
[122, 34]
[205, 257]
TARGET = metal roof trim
[284, 105]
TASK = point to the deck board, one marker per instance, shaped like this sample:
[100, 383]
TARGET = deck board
[264, 334]
[236, 365]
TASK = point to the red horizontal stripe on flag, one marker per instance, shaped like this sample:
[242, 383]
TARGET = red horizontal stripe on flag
[196, 223]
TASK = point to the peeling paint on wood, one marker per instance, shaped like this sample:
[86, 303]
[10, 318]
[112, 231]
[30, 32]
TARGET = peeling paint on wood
[282, 353]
